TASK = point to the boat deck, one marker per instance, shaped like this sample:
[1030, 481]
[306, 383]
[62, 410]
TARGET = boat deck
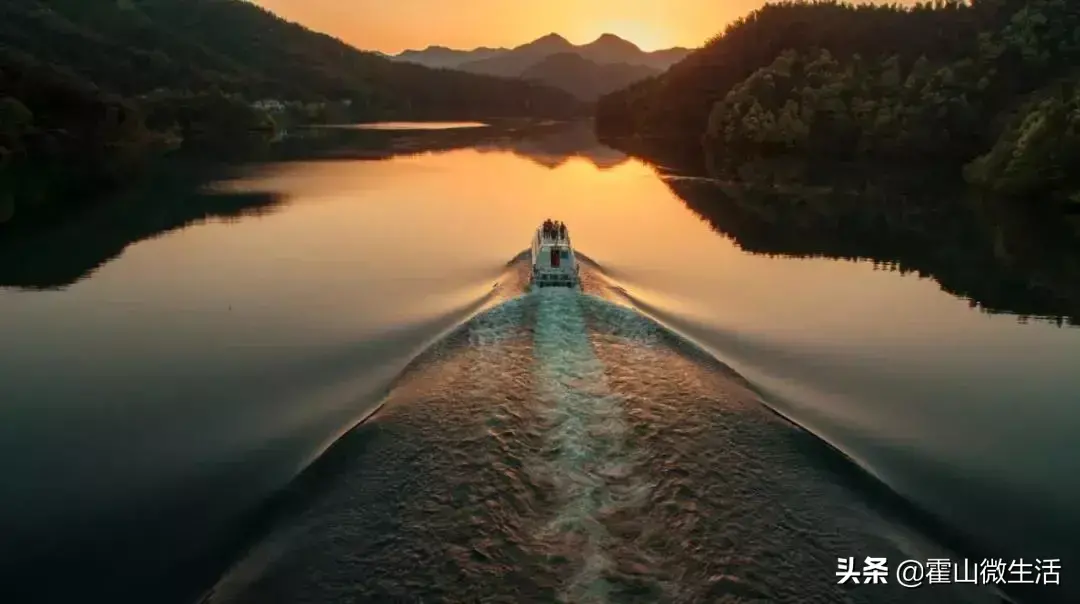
[553, 260]
[544, 239]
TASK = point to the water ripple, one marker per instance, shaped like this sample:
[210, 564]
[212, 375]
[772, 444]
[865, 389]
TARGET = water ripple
[586, 457]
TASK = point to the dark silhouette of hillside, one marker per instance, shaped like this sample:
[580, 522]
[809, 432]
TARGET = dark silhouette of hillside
[989, 87]
[611, 49]
[587, 71]
[678, 105]
[583, 78]
[515, 61]
[137, 46]
[441, 56]
[607, 49]
[90, 90]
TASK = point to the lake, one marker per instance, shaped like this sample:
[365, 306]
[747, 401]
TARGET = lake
[747, 389]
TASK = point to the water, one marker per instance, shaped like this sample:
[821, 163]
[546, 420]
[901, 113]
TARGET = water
[174, 359]
[418, 125]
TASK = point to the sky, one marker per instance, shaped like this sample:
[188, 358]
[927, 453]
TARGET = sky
[391, 26]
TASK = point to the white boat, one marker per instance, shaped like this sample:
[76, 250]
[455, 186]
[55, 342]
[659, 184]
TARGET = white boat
[553, 260]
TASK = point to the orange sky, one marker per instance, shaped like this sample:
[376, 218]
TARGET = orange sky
[394, 25]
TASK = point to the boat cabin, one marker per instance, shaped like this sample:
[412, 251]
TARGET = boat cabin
[553, 261]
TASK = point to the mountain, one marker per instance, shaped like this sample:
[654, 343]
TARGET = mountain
[138, 46]
[606, 49]
[88, 88]
[512, 62]
[610, 48]
[515, 61]
[662, 59]
[586, 71]
[961, 85]
[441, 56]
[585, 79]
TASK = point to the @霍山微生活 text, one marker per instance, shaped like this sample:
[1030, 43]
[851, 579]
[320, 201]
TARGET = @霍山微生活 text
[917, 573]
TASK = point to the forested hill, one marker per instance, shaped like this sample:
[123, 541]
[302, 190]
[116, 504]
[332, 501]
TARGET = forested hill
[132, 47]
[678, 104]
[88, 88]
[990, 84]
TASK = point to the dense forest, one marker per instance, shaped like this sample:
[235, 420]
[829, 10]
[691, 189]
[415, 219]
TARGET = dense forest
[989, 86]
[89, 89]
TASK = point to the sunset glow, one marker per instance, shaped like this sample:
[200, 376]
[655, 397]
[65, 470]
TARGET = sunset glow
[395, 26]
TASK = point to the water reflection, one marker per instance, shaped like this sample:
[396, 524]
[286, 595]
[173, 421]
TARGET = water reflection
[554, 147]
[999, 257]
[414, 125]
[57, 255]
[186, 381]
[175, 195]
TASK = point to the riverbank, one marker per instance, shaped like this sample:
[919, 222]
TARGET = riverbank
[38, 191]
[63, 142]
[90, 95]
[67, 241]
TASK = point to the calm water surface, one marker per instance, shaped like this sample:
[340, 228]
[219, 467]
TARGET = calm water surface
[175, 359]
[418, 125]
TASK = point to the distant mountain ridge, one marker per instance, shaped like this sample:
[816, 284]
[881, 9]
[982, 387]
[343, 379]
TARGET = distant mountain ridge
[608, 48]
[441, 56]
[585, 79]
[587, 71]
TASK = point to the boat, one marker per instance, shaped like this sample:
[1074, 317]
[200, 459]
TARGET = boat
[553, 260]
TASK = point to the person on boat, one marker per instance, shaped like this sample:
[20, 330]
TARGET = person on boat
[549, 227]
[562, 230]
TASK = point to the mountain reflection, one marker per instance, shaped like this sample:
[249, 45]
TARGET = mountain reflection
[549, 144]
[57, 255]
[175, 196]
[556, 146]
[999, 257]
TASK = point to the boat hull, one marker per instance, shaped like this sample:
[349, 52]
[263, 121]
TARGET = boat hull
[570, 284]
[555, 279]
[553, 261]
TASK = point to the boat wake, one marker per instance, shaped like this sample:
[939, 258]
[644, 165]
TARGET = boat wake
[560, 447]
[587, 458]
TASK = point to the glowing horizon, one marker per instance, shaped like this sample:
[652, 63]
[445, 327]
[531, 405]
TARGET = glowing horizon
[417, 24]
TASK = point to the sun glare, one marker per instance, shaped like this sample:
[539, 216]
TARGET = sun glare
[648, 37]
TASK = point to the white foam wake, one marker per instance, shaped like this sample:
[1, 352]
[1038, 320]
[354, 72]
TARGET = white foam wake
[585, 439]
